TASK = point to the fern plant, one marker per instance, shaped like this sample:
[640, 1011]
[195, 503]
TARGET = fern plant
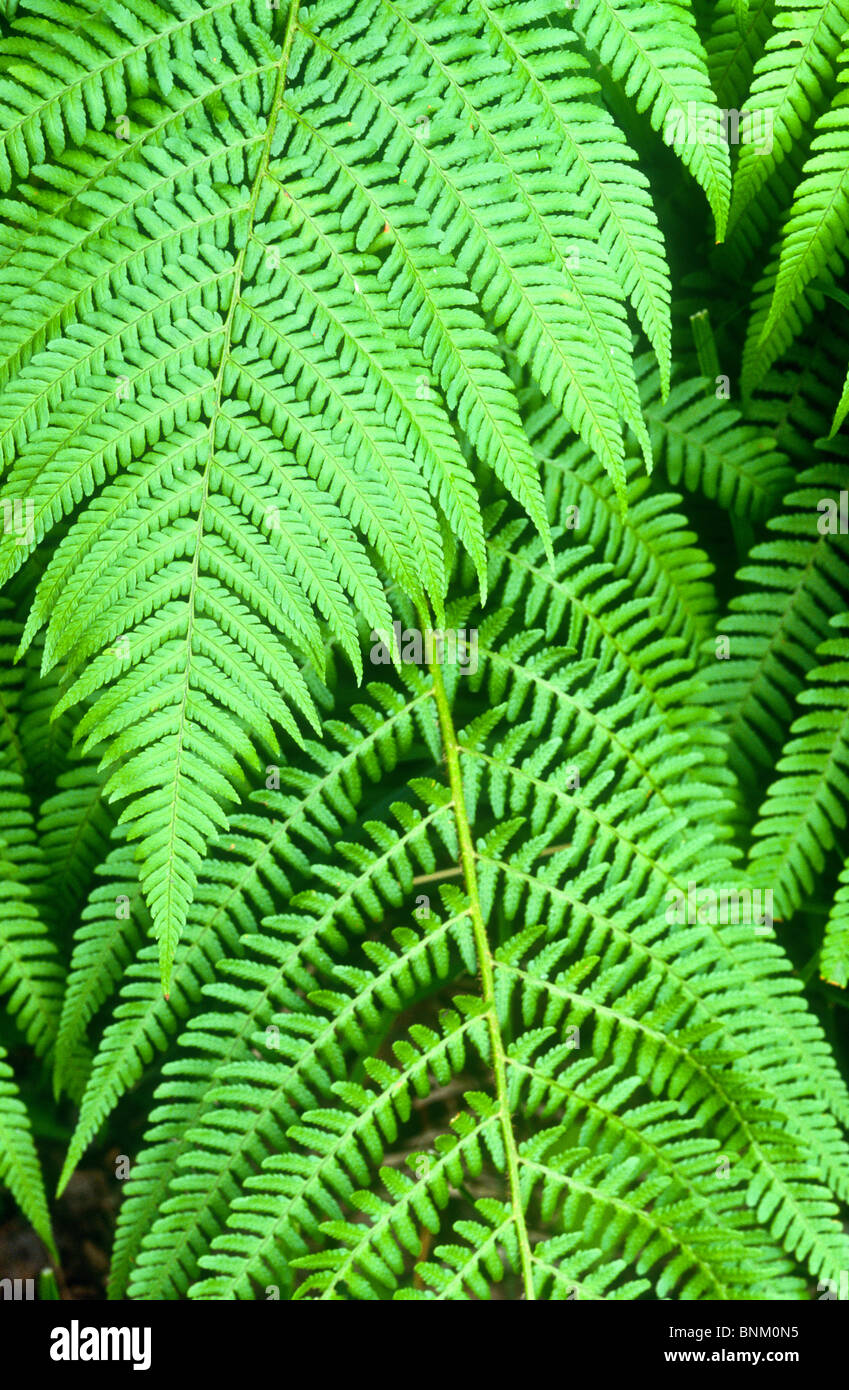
[423, 745]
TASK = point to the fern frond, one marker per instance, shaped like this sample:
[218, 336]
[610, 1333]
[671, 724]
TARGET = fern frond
[20, 1169]
[451, 966]
[589, 594]
[72, 68]
[594, 149]
[12, 752]
[805, 811]
[31, 977]
[796, 401]
[650, 540]
[733, 45]
[842, 409]
[813, 244]
[834, 957]
[707, 446]
[559, 1271]
[265, 854]
[319, 805]
[796, 583]
[74, 827]
[815, 238]
[792, 78]
[705, 1016]
[110, 934]
[656, 53]
[255, 380]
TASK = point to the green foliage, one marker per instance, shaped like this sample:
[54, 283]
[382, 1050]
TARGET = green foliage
[805, 808]
[814, 240]
[794, 585]
[444, 975]
[19, 1166]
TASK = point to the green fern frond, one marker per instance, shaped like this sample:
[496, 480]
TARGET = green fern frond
[656, 53]
[593, 147]
[233, 893]
[755, 231]
[143, 1019]
[842, 408]
[834, 957]
[73, 68]
[813, 244]
[12, 751]
[264, 1233]
[796, 400]
[815, 237]
[445, 965]
[805, 811]
[193, 1121]
[792, 78]
[31, 977]
[706, 446]
[20, 1169]
[559, 1271]
[74, 827]
[795, 584]
[110, 935]
[591, 957]
[733, 45]
[319, 805]
[654, 548]
[243, 384]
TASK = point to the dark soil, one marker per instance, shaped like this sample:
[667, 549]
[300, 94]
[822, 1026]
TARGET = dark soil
[83, 1222]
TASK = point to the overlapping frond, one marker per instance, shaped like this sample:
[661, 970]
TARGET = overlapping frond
[258, 269]
[812, 246]
[656, 53]
[733, 44]
[793, 78]
[834, 957]
[814, 240]
[796, 399]
[252, 869]
[74, 826]
[20, 1169]
[597, 154]
[561, 854]
[650, 541]
[842, 409]
[795, 584]
[31, 977]
[705, 445]
[804, 815]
